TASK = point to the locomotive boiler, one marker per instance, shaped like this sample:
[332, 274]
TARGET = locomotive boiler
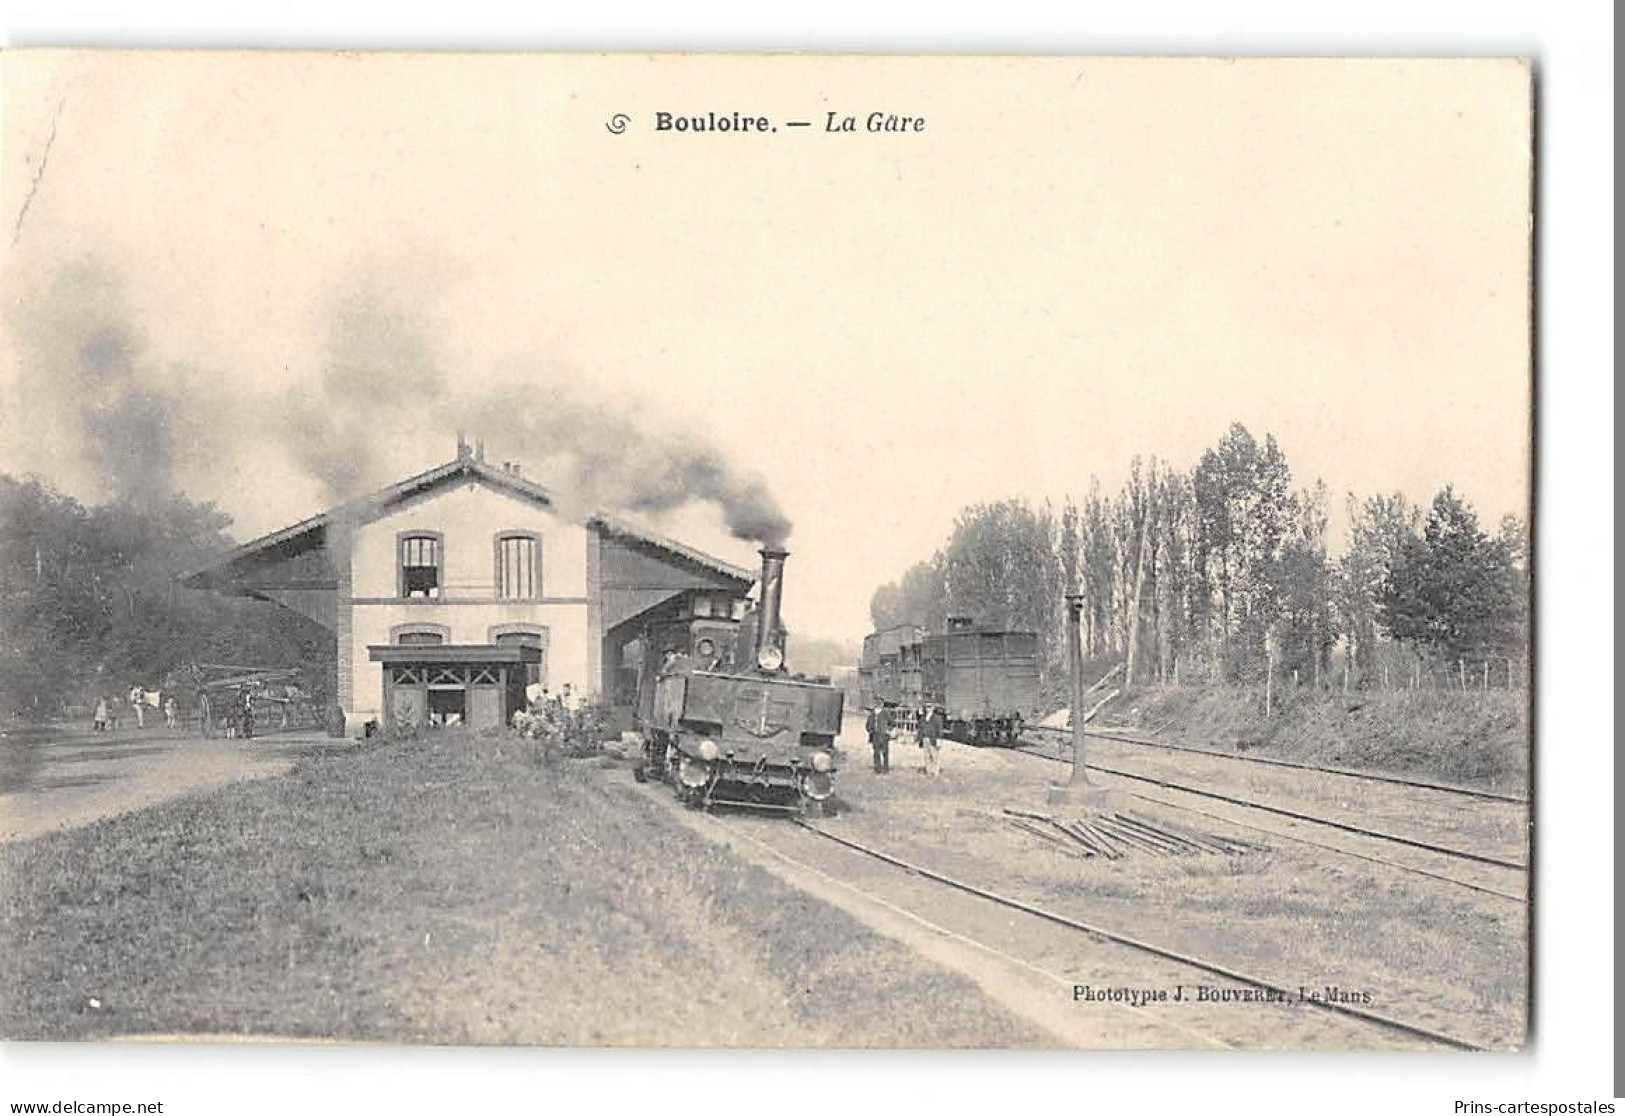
[724, 722]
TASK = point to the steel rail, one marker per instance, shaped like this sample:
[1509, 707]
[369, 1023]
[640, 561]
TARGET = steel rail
[1163, 952]
[938, 928]
[1345, 772]
[1296, 815]
[1394, 864]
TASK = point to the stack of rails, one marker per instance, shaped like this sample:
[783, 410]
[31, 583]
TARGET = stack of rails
[1113, 836]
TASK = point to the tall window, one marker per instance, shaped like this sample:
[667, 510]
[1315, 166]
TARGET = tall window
[420, 566]
[519, 567]
[535, 673]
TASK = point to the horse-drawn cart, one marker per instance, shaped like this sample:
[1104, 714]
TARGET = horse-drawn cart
[239, 701]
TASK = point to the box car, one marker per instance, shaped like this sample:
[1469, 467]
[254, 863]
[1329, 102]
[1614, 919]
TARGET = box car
[985, 681]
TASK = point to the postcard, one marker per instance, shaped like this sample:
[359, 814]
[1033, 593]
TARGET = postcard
[766, 550]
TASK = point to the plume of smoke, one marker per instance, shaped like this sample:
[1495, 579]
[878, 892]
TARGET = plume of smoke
[609, 462]
[383, 379]
[378, 374]
[96, 403]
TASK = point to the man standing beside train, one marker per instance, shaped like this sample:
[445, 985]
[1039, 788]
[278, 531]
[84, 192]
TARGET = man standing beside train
[879, 729]
[931, 726]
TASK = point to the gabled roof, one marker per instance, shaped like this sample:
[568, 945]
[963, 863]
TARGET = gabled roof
[370, 507]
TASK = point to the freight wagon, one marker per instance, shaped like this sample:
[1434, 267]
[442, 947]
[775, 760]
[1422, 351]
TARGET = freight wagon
[984, 680]
[881, 672]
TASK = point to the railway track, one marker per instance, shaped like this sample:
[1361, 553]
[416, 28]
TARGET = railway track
[1343, 772]
[1266, 985]
[1409, 869]
[1295, 815]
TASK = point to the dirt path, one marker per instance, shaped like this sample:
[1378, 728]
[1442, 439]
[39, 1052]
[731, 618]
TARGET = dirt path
[1035, 994]
[69, 779]
[1031, 967]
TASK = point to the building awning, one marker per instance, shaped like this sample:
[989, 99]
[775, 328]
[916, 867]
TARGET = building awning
[451, 653]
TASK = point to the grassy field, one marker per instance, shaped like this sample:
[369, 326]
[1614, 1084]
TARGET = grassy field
[455, 890]
[1474, 739]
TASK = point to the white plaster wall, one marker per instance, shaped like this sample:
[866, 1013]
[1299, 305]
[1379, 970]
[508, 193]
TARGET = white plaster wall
[468, 517]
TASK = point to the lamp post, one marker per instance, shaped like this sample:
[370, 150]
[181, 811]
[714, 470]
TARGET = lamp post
[1078, 788]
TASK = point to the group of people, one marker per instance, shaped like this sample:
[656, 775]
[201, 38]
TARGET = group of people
[240, 715]
[105, 715]
[547, 715]
[886, 726]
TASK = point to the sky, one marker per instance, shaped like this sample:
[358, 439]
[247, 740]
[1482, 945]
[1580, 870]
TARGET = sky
[266, 279]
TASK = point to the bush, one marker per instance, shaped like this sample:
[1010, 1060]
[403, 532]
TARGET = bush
[577, 733]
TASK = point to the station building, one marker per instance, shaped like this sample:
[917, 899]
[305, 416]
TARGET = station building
[451, 592]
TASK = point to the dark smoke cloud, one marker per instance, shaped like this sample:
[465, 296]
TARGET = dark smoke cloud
[612, 463]
[95, 401]
[378, 376]
[383, 379]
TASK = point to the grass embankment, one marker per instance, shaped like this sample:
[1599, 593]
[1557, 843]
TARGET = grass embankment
[449, 889]
[1474, 739]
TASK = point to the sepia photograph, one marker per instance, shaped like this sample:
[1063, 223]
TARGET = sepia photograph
[767, 551]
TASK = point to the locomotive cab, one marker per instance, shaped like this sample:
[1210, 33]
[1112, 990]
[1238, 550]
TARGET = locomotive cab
[737, 728]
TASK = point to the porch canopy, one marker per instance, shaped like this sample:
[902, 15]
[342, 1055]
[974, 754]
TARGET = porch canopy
[443, 654]
[480, 685]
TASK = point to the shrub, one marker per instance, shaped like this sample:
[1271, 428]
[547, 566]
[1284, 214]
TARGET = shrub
[577, 733]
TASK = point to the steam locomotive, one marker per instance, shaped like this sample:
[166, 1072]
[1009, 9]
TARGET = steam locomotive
[722, 719]
[984, 680]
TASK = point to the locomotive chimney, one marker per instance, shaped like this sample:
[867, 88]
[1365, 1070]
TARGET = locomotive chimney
[769, 629]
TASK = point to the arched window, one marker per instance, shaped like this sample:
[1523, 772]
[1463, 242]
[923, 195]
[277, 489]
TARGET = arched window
[525, 635]
[419, 635]
[422, 561]
[518, 566]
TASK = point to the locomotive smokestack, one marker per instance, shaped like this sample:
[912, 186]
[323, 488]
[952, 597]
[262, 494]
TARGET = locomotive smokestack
[769, 628]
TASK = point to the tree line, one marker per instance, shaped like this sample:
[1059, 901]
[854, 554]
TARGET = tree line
[89, 605]
[1224, 573]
